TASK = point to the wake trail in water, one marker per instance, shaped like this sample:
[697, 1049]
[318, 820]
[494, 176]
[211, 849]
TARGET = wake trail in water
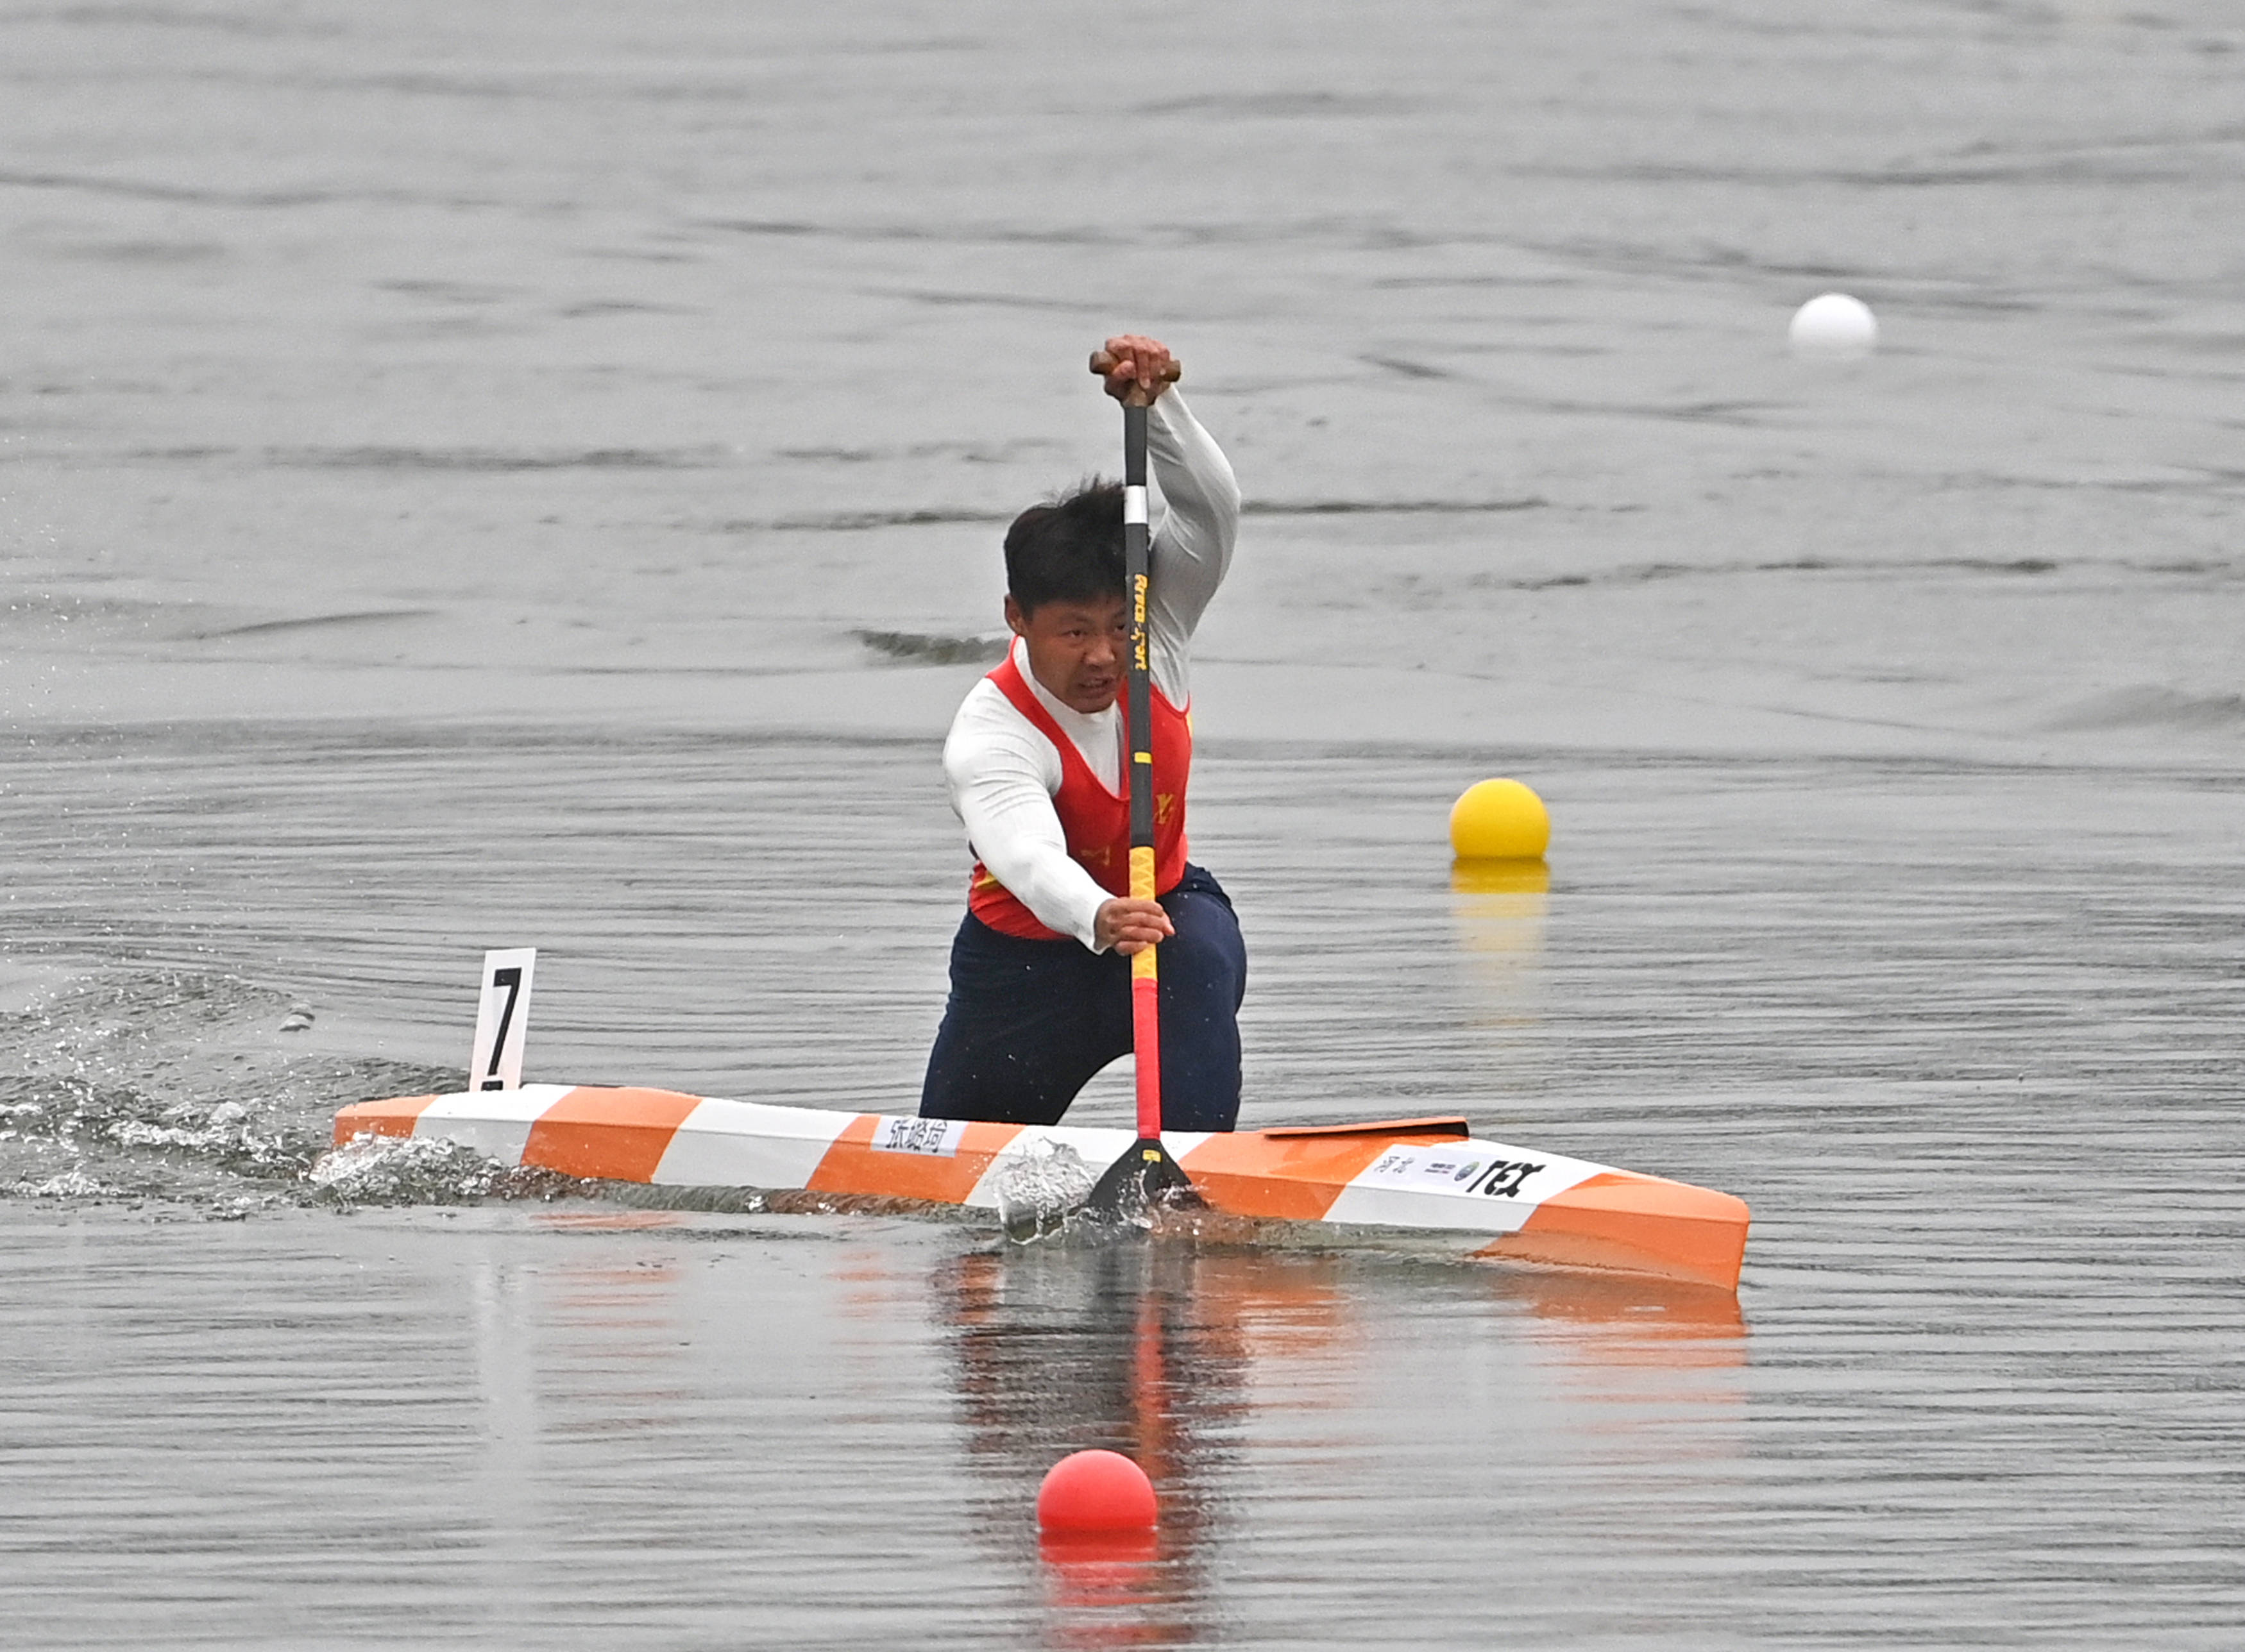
[159, 1087]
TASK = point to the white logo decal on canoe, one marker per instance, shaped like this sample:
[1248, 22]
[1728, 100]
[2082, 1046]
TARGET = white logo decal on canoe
[939, 1137]
[1449, 1170]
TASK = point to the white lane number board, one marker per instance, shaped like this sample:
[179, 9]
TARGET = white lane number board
[502, 1019]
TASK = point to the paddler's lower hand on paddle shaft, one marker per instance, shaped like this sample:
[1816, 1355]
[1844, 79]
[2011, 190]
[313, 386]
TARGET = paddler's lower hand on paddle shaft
[1129, 925]
[1142, 369]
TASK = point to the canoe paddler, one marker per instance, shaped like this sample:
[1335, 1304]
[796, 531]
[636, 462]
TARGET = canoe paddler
[1040, 974]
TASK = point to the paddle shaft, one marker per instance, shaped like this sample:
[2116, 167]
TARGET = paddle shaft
[1147, 1172]
[1145, 979]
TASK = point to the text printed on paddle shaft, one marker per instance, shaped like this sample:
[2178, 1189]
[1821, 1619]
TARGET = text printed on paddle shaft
[938, 1137]
[1451, 1172]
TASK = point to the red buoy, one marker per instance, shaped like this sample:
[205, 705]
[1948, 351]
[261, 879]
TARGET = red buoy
[1096, 1492]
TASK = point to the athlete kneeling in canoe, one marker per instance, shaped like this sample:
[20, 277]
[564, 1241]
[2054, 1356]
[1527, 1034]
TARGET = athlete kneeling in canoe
[1040, 978]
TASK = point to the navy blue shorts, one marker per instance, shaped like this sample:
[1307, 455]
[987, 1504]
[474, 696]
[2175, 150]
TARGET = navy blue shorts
[1029, 1022]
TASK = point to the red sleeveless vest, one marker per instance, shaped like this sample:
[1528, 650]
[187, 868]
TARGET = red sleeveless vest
[1096, 821]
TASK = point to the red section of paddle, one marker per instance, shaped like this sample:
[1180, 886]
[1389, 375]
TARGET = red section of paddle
[1146, 1042]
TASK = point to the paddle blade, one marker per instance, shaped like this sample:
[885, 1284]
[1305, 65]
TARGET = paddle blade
[1142, 1178]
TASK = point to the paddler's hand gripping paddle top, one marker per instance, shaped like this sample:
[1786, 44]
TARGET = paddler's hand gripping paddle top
[1147, 1171]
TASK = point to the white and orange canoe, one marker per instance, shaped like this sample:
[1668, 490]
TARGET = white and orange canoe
[1429, 1177]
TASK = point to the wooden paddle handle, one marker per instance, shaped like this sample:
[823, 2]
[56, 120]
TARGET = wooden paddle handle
[1103, 364]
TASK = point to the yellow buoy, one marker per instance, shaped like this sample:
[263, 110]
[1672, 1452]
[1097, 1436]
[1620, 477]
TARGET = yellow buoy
[1499, 819]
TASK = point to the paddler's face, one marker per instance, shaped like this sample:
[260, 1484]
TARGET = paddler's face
[1076, 649]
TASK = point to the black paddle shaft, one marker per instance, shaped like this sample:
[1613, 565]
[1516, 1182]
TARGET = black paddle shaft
[1137, 551]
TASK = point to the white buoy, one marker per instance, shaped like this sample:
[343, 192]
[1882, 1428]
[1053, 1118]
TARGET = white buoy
[1834, 328]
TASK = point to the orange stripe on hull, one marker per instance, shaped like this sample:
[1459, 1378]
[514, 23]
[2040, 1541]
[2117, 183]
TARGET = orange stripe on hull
[1640, 1223]
[391, 1118]
[1293, 1178]
[614, 1136]
[854, 1165]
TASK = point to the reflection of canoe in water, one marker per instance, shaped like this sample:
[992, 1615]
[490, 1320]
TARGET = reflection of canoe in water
[1426, 1175]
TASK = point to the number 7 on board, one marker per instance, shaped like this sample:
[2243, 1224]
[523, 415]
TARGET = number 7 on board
[502, 1019]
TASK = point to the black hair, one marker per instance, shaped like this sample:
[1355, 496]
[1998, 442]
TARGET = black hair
[1068, 549]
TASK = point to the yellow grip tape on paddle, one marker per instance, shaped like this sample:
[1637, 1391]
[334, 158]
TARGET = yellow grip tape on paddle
[1141, 888]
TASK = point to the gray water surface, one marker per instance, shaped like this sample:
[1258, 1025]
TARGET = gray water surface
[532, 476]
[1978, 1385]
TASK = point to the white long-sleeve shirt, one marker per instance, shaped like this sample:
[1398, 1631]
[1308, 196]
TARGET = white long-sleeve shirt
[1003, 773]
